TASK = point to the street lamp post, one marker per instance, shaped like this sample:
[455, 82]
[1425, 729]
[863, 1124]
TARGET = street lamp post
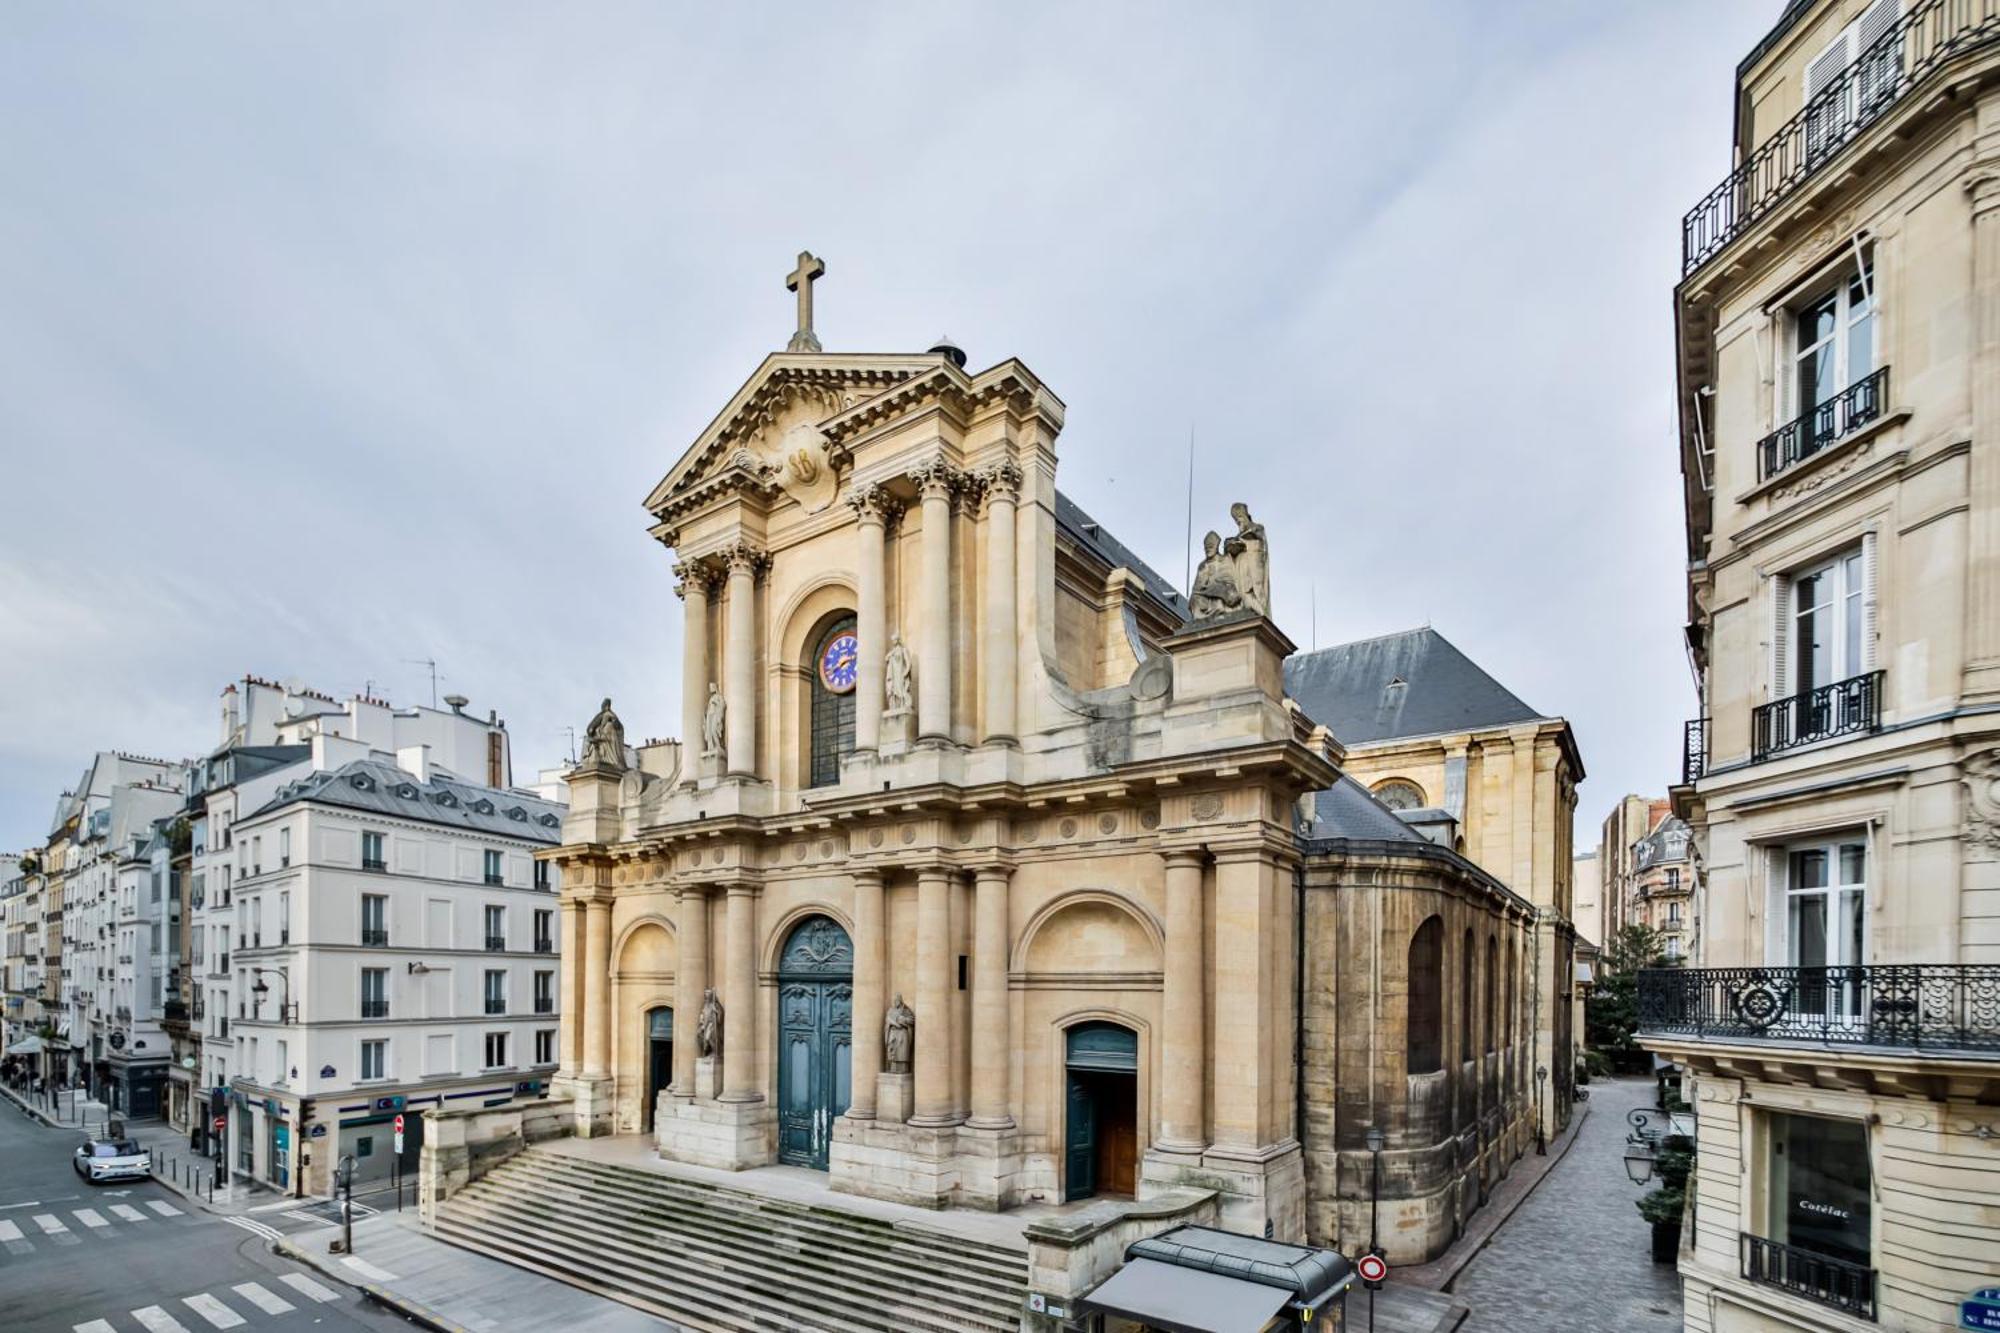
[1541, 1084]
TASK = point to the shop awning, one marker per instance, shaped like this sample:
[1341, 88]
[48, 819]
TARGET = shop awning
[1185, 1300]
[28, 1045]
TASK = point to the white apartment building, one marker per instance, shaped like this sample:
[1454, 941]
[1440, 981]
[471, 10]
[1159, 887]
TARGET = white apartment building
[391, 941]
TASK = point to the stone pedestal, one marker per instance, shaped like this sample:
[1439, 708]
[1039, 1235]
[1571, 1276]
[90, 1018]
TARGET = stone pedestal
[707, 1079]
[895, 1097]
[595, 1100]
[728, 1136]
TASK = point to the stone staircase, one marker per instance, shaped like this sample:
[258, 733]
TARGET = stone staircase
[712, 1257]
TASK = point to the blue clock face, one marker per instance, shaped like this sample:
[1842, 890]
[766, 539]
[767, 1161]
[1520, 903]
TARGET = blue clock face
[837, 663]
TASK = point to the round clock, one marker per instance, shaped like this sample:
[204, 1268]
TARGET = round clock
[837, 662]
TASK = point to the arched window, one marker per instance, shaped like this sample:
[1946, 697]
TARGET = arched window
[1492, 993]
[1425, 1025]
[833, 674]
[1465, 998]
[1400, 794]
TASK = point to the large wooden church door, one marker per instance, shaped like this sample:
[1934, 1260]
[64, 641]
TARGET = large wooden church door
[815, 1038]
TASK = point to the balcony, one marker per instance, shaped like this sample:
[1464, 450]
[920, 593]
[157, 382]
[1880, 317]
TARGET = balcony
[1824, 425]
[374, 1008]
[496, 943]
[1929, 34]
[1933, 1007]
[374, 939]
[1816, 1277]
[1844, 708]
[1694, 750]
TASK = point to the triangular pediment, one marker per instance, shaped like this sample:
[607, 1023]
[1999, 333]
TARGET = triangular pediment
[775, 415]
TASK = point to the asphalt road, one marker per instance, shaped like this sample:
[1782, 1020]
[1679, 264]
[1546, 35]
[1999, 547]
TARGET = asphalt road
[137, 1258]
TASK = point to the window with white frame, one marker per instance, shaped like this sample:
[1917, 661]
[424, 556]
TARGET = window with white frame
[374, 1059]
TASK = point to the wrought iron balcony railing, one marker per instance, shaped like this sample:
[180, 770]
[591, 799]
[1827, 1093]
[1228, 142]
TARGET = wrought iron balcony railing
[1910, 1006]
[1827, 424]
[1694, 750]
[1926, 37]
[1817, 1277]
[1840, 709]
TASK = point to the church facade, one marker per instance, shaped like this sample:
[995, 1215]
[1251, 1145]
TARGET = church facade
[981, 875]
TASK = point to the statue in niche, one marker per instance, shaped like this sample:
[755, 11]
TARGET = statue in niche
[604, 740]
[899, 1036]
[708, 1028]
[898, 686]
[711, 724]
[1253, 560]
[1216, 592]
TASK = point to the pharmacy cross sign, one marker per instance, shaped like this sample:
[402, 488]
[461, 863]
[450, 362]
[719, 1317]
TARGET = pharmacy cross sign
[800, 280]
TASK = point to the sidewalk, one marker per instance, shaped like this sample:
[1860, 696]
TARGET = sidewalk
[440, 1286]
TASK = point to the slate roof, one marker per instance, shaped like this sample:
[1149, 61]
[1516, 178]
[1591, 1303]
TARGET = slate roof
[1353, 689]
[1088, 533]
[382, 788]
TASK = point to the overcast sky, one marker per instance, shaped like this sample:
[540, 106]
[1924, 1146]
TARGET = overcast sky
[333, 337]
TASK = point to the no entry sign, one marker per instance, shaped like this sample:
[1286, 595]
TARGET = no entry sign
[1372, 1268]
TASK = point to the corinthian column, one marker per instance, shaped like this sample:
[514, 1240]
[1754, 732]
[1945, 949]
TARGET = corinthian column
[990, 1046]
[934, 1101]
[695, 676]
[935, 482]
[870, 624]
[1181, 1128]
[739, 1019]
[740, 692]
[1002, 484]
[597, 988]
[869, 1004]
[690, 982]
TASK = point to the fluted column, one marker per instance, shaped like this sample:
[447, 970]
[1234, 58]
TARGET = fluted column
[740, 692]
[690, 982]
[695, 672]
[739, 1020]
[934, 1102]
[935, 482]
[1002, 484]
[869, 1002]
[597, 988]
[870, 624]
[1181, 1121]
[990, 1046]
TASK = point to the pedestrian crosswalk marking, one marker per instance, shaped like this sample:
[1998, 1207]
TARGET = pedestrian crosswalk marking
[214, 1311]
[157, 1320]
[368, 1270]
[305, 1286]
[9, 1230]
[163, 1209]
[263, 1298]
[95, 1326]
[129, 1213]
[90, 1217]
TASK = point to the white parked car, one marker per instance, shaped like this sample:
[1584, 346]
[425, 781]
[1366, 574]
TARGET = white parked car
[112, 1159]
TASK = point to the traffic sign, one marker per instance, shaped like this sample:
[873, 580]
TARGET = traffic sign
[1373, 1268]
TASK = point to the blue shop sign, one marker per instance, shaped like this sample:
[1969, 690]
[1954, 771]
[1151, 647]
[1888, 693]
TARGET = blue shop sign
[1980, 1310]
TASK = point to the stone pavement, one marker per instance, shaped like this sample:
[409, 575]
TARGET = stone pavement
[1576, 1258]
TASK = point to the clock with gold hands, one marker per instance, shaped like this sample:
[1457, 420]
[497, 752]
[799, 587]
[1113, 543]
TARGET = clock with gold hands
[837, 662]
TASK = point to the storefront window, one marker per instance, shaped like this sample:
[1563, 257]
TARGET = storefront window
[1819, 1198]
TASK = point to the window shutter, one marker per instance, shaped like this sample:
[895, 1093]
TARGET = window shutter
[1868, 547]
[1781, 615]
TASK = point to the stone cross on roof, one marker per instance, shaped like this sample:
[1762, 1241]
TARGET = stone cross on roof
[800, 280]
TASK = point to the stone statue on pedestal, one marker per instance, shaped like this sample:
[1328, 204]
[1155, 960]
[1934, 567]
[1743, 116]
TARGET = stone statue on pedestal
[899, 1036]
[711, 724]
[604, 740]
[708, 1028]
[898, 688]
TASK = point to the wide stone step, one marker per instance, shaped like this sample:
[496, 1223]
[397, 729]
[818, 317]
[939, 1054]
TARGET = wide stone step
[1003, 1267]
[760, 1263]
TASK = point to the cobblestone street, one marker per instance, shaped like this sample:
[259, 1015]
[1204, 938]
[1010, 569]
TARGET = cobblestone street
[1574, 1259]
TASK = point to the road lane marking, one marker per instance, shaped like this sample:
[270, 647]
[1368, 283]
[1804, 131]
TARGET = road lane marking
[368, 1270]
[129, 1213]
[50, 1223]
[95, 1326]
[90, 1217]
[157, 1320]
[214, 1311]
[163, 1209]
[305, 1286]
[263, 1298]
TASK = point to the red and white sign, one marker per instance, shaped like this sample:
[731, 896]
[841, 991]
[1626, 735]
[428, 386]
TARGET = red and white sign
[1372, 1268]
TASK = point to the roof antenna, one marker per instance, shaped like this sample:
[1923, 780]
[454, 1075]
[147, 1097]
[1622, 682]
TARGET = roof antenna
[1187, 540]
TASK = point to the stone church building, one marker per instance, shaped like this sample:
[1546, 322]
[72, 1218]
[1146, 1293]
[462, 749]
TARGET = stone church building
[992, 870]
